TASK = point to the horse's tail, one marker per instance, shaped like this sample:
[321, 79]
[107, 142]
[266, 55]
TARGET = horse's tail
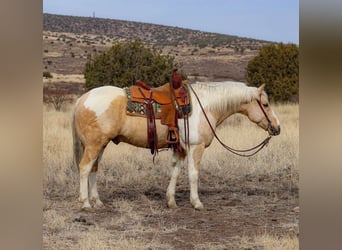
[78, 147]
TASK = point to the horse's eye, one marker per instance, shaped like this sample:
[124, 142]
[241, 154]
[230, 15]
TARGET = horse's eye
[265, 105]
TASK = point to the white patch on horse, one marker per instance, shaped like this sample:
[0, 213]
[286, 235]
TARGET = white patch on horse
[278, 122]
[99, 99]
[194, 121]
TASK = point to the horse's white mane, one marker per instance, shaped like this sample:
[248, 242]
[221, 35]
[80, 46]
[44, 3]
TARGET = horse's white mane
[224, 95]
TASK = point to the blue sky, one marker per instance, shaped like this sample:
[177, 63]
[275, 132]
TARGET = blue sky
[272, 20]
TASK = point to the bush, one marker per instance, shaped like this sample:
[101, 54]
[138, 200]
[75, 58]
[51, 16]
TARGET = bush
[56, 95]
[47, 74]
[278, 67]
[125, 63]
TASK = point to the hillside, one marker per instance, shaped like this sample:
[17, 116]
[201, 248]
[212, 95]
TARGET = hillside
[150, 33]
[69, 41]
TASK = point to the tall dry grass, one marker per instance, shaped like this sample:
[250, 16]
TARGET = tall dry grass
[127, 167]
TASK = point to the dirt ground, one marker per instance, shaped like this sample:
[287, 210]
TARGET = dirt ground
[241, 208]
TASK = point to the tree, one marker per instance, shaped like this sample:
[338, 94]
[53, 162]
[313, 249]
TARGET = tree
[278, 67]
[125, 63]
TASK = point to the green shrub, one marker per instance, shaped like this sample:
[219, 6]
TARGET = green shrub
[125, 63]
[278, 67]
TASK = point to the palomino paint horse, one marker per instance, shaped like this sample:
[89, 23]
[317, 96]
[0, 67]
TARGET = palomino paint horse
[100, 116]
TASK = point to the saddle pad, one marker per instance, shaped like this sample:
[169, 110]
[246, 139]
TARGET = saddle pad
[135, 108]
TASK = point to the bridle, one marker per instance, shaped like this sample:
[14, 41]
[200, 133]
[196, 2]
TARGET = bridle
[239, 152]
[269, 124]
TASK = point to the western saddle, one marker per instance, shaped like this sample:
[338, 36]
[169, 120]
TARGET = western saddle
[174, 100]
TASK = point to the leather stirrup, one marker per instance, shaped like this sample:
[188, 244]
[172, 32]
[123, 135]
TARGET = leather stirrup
[173, 136]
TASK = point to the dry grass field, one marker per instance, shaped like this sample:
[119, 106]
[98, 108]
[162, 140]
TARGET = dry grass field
[249, 203]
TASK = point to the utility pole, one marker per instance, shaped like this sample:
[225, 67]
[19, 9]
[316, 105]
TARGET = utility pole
[93, 14]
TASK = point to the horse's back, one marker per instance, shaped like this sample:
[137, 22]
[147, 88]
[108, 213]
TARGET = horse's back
[104, 93]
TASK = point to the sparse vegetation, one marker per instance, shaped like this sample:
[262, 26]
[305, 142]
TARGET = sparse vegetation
[150, 33]
[188, 47]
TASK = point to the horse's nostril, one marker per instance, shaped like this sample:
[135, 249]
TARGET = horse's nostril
[276, 131]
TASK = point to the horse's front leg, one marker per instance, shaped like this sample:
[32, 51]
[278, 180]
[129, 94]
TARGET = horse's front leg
[171, 189]
[194, 158]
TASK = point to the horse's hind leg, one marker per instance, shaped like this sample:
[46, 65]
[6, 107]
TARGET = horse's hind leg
[93, 194]
[170, 193]
[88, 159]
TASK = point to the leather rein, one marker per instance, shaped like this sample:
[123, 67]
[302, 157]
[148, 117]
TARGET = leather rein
[239, 152]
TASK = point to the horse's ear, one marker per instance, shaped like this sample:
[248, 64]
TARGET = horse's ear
[261, 88]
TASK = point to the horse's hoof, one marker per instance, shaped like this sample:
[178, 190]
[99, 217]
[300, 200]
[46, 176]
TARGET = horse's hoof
[198, 206]
[86, 209]
[172, 205]
[99, 204]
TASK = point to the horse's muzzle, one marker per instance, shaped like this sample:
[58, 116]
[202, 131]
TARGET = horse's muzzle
[273, 130]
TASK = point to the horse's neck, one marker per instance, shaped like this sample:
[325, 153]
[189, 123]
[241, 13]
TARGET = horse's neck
[219, 105]
[224, 116]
